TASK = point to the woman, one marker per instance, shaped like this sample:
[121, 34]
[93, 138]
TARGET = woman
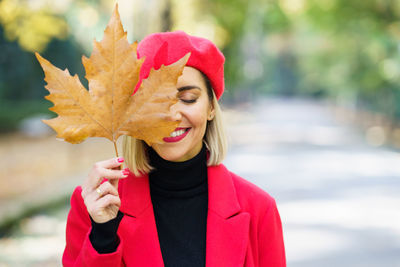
[176, 205]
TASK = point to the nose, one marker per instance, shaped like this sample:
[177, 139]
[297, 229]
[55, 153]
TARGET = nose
[176, 114]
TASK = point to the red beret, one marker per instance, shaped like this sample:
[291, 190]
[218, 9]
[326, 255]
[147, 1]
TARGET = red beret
[168, 47]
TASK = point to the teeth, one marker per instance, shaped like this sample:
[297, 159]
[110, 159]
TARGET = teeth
[177, 133]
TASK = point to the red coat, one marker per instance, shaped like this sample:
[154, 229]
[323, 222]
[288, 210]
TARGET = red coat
[243, 226]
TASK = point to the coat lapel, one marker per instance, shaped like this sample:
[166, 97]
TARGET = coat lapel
[142, 247]
[227, 227]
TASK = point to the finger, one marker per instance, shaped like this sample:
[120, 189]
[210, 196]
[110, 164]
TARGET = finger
[98, 173]
[93, 179]
[114, 182]
[106, 188]
[111, 163]
[108, 200]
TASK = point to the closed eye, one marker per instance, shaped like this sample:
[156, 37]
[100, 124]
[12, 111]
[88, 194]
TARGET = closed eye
[189, 101]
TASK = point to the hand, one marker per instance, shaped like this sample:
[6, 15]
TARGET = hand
[101, 199]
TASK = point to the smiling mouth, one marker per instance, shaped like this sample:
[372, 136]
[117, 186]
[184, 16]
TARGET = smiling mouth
[178, 132]
[177, 135]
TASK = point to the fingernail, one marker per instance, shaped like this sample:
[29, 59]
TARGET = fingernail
[120, 159]
[125, 172]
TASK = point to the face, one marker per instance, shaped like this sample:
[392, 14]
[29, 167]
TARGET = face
[193, 110]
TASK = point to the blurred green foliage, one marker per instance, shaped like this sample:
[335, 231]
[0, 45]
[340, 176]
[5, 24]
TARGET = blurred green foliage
[344, 50]
[33, 27]
[21, 79]
[357, 56]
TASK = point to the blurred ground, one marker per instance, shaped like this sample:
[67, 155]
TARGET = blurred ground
[338, 197]
[37, 178]
[36, 170]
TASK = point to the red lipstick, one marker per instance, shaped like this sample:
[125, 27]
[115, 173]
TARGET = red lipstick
[171, 139]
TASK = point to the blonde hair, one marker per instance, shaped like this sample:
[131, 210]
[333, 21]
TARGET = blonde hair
[135, 150]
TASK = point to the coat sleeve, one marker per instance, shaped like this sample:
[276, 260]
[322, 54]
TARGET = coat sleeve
[271, 246]
[79, 250]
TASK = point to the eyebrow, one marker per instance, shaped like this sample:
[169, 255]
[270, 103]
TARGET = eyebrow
[188, 87]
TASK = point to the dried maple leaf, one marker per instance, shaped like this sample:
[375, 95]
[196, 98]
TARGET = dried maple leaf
[108, 109]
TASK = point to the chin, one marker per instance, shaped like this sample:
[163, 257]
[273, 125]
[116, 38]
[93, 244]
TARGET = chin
[170, 154]
[170, 157]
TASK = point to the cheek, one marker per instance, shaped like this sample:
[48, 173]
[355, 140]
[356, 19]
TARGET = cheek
[199, 117]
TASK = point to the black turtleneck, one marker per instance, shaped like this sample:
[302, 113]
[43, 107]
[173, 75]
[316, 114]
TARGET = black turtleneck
[180, 200]
[179, 196]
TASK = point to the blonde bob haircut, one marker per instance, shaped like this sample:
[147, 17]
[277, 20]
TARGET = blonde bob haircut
[135, 150]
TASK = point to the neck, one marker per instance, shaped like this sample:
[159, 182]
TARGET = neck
[177, 176]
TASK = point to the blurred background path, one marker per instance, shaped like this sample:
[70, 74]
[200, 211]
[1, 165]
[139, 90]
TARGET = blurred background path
[338, 197]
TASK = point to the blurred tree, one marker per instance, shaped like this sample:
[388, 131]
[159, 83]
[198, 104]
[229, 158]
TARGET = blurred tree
[166, 17]
[25, 28]
[357, 56]
[32, 28]
[248, 25]
[21, 79]
[348, 51]
[230, 15]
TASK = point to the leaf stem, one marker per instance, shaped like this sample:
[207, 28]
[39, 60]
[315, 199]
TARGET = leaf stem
[116, 153]
[116, 149]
